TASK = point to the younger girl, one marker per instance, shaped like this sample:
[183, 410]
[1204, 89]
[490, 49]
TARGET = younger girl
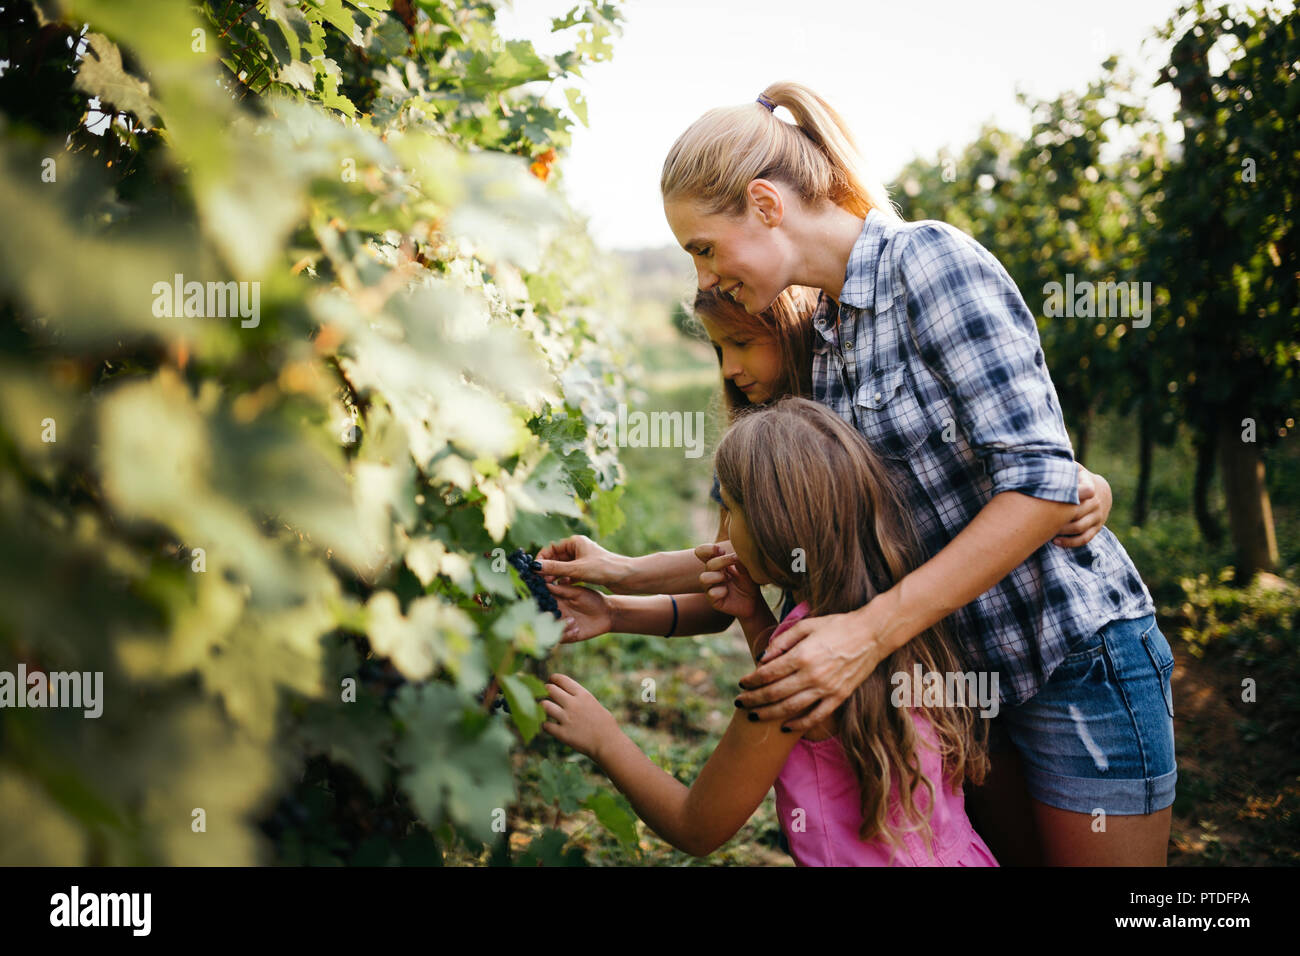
[875, 784]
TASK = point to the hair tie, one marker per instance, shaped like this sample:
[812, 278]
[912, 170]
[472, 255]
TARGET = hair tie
[764, 101]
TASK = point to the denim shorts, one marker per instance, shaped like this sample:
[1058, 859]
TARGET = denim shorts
[1100, 733]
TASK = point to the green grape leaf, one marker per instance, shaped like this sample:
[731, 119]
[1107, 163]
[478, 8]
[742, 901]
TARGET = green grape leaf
[449, 771]
[431, 635]
[549, 850]
[524, 708]
[528, 629]
[563, 784]
[577, 103]
[615, 815]
[605, 509]
[101, 74]
[353, 733]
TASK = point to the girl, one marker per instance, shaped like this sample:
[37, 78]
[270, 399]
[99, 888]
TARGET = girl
[925, 345]
[876, 784]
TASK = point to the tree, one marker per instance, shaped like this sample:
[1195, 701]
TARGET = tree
[1227, 249]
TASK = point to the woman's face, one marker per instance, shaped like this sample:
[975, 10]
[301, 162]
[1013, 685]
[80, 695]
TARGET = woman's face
[741, 542]
[749, 359]
[739, 256]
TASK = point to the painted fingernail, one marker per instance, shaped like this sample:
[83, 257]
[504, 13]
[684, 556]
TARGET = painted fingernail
[738, 703]
[786, 730]
[753, 717]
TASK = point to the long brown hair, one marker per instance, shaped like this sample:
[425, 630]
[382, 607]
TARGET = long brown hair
[787, 322]
[727, 148]
[803, 479]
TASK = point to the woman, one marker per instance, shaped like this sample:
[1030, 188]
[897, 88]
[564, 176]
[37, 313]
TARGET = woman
[928, 348]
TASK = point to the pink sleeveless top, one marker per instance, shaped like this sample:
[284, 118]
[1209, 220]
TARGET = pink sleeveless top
[819, 806]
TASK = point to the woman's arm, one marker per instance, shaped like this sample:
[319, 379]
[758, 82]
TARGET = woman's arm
[848, 647]
[973, 330]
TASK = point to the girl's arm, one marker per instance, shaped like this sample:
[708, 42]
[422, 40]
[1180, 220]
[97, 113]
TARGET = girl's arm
[696, 819]
[591, 613]
[654, 615]
[580, 559]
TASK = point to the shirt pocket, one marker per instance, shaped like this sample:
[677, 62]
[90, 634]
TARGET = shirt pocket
[890, 416]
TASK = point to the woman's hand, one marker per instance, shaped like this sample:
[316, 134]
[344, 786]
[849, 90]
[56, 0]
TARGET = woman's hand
[577, 718]
[1095, 500]
[578, 558]
[726, 581]
[587, 613]
[811, 669]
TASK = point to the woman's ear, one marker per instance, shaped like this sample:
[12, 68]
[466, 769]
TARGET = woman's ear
[766, 200]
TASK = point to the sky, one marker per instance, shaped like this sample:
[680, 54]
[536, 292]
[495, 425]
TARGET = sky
[909, 78]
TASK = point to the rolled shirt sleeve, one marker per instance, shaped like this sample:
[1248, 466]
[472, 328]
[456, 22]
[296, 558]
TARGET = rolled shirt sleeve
[974, 331]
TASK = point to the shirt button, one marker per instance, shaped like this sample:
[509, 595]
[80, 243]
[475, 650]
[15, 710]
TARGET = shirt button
[879, 396]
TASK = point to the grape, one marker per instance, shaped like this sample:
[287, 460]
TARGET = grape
[500, 703]
[527, 567]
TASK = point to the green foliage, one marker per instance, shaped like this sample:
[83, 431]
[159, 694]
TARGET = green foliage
[1257, 622]
[276, 524]
[1228, 250]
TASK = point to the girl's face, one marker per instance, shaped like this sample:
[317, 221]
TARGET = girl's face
[741, 542]
[751, 360]
[739, 256]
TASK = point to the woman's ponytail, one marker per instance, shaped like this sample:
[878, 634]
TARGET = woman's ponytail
[727, 148]
[854, 188]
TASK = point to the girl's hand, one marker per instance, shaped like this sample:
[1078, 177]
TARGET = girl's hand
[587, 613]
[577, 718]
[1095, 500]
[730, 588]
[578, 558]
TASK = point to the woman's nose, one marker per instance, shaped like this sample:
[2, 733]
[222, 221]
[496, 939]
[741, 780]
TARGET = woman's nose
[706, 279]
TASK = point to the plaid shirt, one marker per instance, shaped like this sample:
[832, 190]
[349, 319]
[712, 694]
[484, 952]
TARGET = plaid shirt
[935, 358]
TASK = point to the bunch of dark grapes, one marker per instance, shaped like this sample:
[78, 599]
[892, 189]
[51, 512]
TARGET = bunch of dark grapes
[523, 562]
